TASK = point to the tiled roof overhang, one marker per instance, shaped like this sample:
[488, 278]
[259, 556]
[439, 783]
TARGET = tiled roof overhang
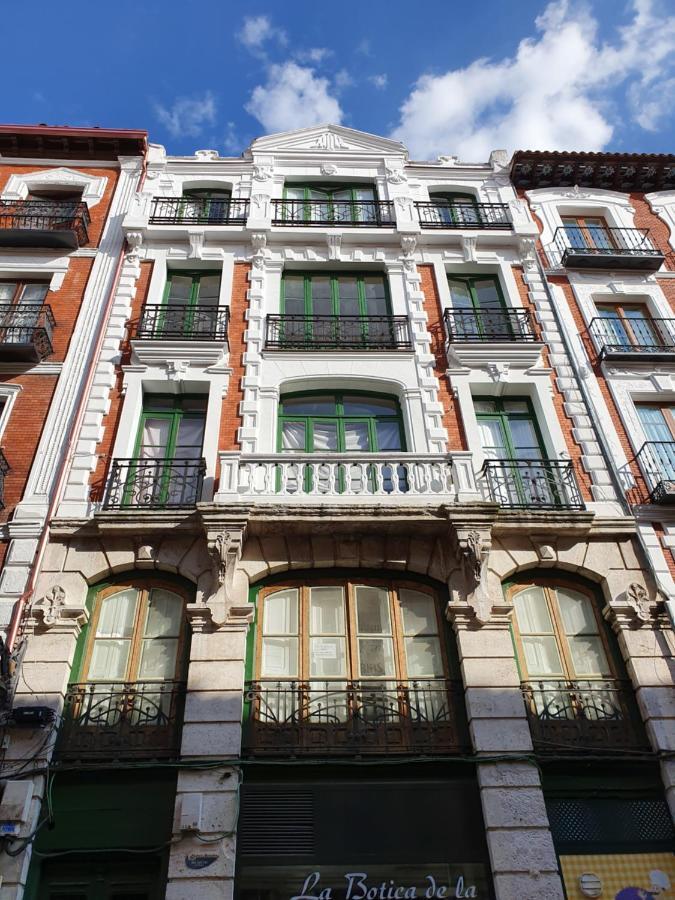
[55, 142]
[625, 172]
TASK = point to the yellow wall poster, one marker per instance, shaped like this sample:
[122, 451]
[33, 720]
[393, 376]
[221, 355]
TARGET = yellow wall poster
[628, 876]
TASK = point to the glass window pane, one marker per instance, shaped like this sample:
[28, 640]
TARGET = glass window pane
[577, 612]
[524, 438]
[158, 658]
[376, 657]
[327, 657]
[369, 406]
[281, 612]
[180, 289]
[516, 406]
[417, 609]
[34, 293]
[209, 289]
[7, 291]
[541, 656]
[356, 437]
[374, 287]
[324, 437]
[487, 293]
[588, 656]
[109, 660]
[460, 294]
[372, 610]
[164, 616]
[155, 437]
[320, 286]
[118, 611]
[309, 406]
[654, 423]
[293, 436]
[279, 657]
[326, 610]
[347, 288]
[423, 657]
[294, 287]
[532, 612]
[388, 436]
[484, 406]
[294, 193]
[190, 436]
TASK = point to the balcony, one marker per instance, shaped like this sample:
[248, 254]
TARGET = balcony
[334, 213]
[196, 211]
[489, 326]
[354, 718]
[286, 332]
[39, 223]
[588, 247]
[532, 484]
[159, 322]
[464, 215]
[25, 331]
[343, 478]
[154, 484]
[652, 340]
[581, 716]
[657, 461]
[138, 720]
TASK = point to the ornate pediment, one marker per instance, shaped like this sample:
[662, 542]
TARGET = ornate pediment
[326, 139]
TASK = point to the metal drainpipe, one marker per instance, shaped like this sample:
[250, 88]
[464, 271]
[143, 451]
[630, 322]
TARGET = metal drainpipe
[600, 436]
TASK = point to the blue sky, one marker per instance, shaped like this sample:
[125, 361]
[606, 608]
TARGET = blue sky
[462, 80]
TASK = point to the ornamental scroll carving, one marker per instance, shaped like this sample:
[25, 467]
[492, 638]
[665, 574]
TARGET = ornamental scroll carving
[225, 548]
[638, 599]
[473, 550]
[52, 612]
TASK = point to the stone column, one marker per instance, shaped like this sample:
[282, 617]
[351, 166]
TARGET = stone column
[51, 633]
[519, 841]
[647, 642]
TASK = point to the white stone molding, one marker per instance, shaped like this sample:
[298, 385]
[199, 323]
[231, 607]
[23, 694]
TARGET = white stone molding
[662, 204]
[225, 541]
[52, 612]
[18, 186]
[30, 266]
[8, 394]
[632, 609]
[333, 242]
[329, 140]
[206, 155]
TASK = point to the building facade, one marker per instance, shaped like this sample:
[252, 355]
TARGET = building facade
[346, 593]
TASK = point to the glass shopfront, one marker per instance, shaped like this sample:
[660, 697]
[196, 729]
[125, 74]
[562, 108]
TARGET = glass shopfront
[383, 837]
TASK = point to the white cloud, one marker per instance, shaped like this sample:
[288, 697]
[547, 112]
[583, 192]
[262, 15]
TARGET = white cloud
[188, 116]
[257, 30]
[343, 79]
[232, 142]
[379, 81]
[555, 93]
[363, 47]
[313, 55]
[293, 97]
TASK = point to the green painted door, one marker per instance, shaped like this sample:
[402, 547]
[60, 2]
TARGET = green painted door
[190, 306]
[478, 309]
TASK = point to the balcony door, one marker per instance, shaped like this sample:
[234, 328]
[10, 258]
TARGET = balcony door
[588, 233]
[190, 305]
[21, 304]
[336, 310]
[455, 209]
[166, 470]
[330, 205]
[658, 422]
[630, 327]
[478, 310]
[207, 205]
[509, 434]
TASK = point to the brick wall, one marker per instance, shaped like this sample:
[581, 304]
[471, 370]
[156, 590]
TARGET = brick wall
[658, 229]
[230, 420]
[452, 420]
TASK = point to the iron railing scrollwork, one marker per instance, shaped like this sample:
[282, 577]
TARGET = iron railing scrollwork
[290, 332]
[122, 720]
[349, 213]
[657, 462]
[24, 324]
[46, 216]
[489, 325]
[643, 337]
[581, 715]
[446, 214]
[336, 718]
[198, 211]
[154, 483]
[183, 322]
[532, 484]
[589, 245]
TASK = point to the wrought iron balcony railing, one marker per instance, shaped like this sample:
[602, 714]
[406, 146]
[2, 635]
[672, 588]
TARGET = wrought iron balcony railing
[197, 211]
[346, 213]
[489, 326]
[601, 247]
[286, 332]
[439, 214]
[154, 483]
[159, 322]
[25, 331]
[577, 716]
[532, 483]
[657, 462]
[617, 337]
[141, 719]
[42, 223]
[343, 718]
[4, 469]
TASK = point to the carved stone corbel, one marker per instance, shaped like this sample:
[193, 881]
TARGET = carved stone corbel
[473, 549]
[52, 613]
[225, 548]
[632, 609]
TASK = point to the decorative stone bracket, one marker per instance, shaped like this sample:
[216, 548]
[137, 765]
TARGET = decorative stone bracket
[632, 609]
[52, 613]
[470, 581]
[225, 545]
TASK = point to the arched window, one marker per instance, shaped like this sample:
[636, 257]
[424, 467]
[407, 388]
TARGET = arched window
[335, 656]
[571, 672]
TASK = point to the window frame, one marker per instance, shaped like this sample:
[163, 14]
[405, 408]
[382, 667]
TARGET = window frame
[504, 415]
[334, 278]
[20, 285]
[192, 304]
[583, 224]
[348, 584]
[619, 314]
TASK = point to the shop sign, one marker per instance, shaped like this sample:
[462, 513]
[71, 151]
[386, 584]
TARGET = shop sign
[357, 886]
[629, 876]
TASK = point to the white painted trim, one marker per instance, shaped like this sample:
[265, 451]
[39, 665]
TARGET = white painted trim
[17, 266]
[8, 392]
[18, 186]
[662, 204]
